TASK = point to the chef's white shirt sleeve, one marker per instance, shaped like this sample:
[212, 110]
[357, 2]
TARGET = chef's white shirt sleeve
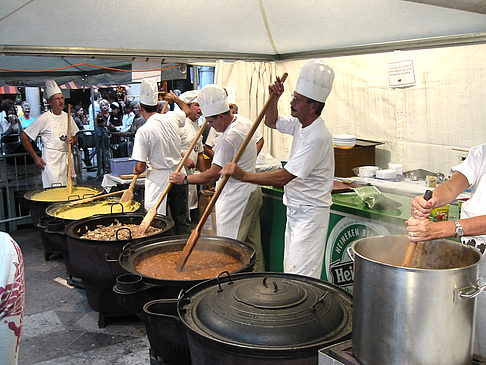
[472, 164]
[36, 127]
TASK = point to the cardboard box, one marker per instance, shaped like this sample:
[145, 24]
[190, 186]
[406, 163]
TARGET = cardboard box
[122, 166]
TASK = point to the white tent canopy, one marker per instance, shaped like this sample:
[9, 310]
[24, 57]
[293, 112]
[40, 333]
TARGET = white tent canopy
[112, 32]
[357, 38]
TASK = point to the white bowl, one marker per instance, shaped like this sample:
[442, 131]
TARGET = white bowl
[386, 174]
[367, 171]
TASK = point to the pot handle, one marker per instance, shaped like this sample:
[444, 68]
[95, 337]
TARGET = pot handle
[127, 246]
[467, 293]
[350, 253]
[108, 259]
[121, 229]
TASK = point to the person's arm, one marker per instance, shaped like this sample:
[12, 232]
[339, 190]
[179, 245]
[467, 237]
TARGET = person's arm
[259, 145]
[280, 177]
[442, 195]
[205, 177]
[272, 114]
[39, 162]
[172, 98]
[425, 229]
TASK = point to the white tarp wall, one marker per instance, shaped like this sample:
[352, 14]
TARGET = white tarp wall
[419, 125]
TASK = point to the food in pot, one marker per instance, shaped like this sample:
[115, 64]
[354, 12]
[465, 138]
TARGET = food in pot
[109, 233]
[63, 194]
[75, 211]
[200, 265]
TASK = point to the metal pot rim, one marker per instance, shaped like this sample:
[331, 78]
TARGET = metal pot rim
[28, 195]
[414, 269]
[126, 256]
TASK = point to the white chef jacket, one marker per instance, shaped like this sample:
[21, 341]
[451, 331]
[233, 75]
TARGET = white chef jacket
[474, 169]
[233, 199]
[214, 135]
[158, 143]
[188, 133]
[53, 131]
[308, 196]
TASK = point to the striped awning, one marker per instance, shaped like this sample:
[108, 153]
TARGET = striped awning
[8, 90]
[71, 85]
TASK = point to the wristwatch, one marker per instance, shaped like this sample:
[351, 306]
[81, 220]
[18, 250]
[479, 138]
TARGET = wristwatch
[185, 182]
[459, 230]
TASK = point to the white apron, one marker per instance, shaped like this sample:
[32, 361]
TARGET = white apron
[55, 171]
[305, 240]
[155, 183]
[230, 207]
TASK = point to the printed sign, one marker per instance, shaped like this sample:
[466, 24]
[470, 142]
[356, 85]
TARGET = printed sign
[338, 264]
[401, 73]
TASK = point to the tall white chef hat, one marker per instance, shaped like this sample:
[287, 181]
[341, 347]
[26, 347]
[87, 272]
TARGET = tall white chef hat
[52, 89]
[149, 93]
[213, 100]
[189, 97]
[315, 80]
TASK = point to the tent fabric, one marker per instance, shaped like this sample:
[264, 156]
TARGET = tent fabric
[421, 125]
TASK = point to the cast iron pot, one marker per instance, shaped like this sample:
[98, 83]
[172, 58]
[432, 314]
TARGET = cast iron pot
[37, 207]
[134, 289]
[263, 318]
[409, 315]
[96, 262]
[135, 252]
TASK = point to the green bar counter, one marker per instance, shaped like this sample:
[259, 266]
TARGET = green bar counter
[350, 219]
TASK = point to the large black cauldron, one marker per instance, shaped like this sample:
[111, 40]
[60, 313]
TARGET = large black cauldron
[257, 318]
[37, 207]
[96, 262]
[134, 289]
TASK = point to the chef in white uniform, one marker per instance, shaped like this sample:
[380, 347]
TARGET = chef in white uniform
[239, 203]
[308, 175]
[196, 158]
[52, 128]
[158, 146]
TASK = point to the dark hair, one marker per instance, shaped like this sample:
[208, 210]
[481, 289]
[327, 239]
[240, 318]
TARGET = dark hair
[7, 103]
[149, 108]
[320, 106]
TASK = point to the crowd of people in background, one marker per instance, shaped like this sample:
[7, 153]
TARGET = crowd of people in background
[106, 128]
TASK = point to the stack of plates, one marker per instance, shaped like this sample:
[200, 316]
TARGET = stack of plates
[344, 140]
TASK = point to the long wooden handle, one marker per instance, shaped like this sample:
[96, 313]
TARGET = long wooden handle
[70, 162]
[149, 217]
[191, 242]
[183, 161]
[412, 245]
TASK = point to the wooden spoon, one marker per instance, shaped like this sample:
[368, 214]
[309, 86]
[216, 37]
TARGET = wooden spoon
[128, 194]
[149, 217]
[196, 233]
[70, 162]
[412, 245]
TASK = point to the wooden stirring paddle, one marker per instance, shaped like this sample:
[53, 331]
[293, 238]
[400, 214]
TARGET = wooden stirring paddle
[412, 245]
[70, 161]
[128, 194]
[196, 233]
[152, 212]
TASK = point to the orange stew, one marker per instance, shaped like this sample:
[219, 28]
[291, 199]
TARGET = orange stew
[200, 265]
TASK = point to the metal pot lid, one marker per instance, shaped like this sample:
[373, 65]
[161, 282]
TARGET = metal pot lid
[268, 311]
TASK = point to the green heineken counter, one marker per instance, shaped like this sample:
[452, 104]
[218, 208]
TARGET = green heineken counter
[350, 220]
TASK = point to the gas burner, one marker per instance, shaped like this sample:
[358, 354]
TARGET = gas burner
[342, 354]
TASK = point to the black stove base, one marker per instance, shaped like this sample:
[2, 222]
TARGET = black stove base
[342, 354]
